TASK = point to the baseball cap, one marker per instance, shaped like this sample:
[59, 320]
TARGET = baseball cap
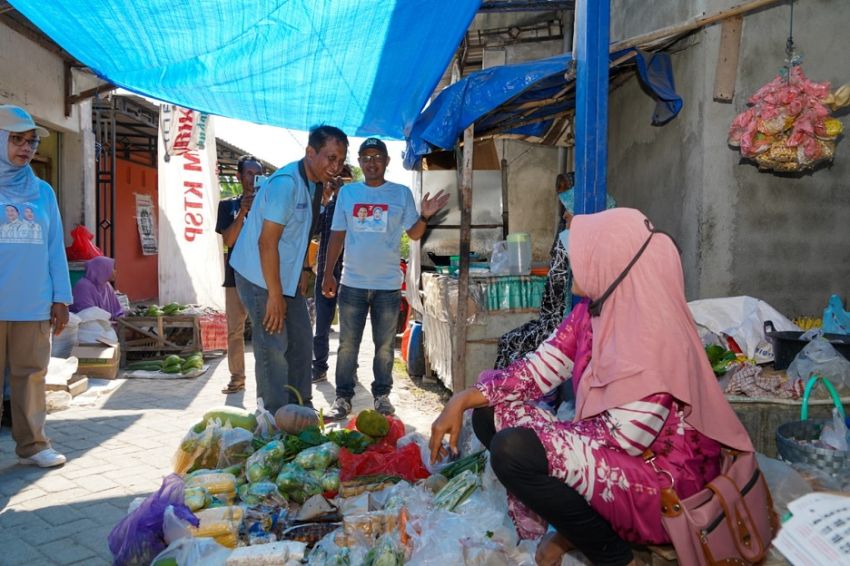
[374, 143]
[16, 119]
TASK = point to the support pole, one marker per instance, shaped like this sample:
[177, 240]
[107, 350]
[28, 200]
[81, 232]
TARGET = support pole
[465, 194]
[591, 123]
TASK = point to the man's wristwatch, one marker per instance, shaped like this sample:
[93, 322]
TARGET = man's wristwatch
[307, 269]
[423, 218]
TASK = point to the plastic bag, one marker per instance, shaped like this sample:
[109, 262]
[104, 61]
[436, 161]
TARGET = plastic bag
[835, 434]
[220, 523]
[138, 538]
[404, 462]
[265, 463]
[82, 248]
[174, 527]
[199, 450]
[318, 457]
[94, 326]
[297, 484]
[234, 446]
[62, 345]
[821, 358]
[835, 319]
[193, 552]
[266, 426]
[499, 259]
[783, 481]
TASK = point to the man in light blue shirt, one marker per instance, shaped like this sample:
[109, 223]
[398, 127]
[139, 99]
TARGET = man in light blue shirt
[270, 261]
[369, 219]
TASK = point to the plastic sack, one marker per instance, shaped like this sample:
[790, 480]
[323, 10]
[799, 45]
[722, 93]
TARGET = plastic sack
[82, 248]
[835, 319]
[821, 358]
[62, 345]
[94, 326]
[499, 259]
[193, 552]
[138, 537]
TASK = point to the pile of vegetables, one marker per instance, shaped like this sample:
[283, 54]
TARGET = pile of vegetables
[170, 364]
[171, 309]
[720, 358]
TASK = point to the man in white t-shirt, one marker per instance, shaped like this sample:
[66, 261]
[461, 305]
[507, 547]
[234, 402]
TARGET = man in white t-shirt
[369, 219]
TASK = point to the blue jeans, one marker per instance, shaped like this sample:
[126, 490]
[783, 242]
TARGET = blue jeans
[325, 309]
[382, 307]
[280, 359]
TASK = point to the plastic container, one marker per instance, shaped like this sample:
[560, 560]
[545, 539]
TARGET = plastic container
[786, 345]
[519, 253]
[416, 351]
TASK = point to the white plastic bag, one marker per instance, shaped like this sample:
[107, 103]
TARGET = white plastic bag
[195, 552]
[62, 345]
[173, 527]
[95, 326]
[835, 434]
[821, 358]
[499, 260]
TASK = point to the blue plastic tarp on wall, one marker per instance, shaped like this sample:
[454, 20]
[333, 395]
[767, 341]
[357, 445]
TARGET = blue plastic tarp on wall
[523, 100]
[367, 67]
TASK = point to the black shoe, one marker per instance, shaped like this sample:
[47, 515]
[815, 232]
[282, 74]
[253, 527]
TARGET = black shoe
[318, 377]
[340, 409]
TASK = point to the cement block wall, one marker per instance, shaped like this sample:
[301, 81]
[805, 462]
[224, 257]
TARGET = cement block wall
[33, 77]
[783, 239]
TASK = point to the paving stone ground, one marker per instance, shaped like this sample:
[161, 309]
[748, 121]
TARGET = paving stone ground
[120, 446]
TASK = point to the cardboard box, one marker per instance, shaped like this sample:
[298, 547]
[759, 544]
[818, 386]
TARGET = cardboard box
[98, 360]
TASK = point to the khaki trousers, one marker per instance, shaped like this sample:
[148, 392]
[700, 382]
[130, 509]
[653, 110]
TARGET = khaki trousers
[236, 316]
[25, 350]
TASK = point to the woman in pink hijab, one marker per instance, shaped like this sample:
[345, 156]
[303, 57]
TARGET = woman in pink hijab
[95, 290]
[642, 382]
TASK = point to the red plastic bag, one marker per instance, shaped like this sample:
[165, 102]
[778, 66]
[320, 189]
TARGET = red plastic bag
[387, 443]
[82, 248]
[404, 462]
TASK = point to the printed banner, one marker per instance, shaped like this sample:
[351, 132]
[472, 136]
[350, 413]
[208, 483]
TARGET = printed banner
[183, 130]
[146, 221]
[191, 263]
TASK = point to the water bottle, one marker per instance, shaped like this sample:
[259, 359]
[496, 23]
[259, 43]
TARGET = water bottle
[519, 253]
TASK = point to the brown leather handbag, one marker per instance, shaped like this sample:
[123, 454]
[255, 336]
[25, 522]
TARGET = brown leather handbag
[729, 522]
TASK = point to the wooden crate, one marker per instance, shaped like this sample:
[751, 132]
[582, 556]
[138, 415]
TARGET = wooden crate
[143, 337]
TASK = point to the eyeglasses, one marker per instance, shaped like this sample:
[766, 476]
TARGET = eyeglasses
[19, 141]
[372, 158]
[595, 307]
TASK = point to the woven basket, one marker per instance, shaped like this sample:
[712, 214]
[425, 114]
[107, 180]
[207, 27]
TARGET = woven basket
[794, 440]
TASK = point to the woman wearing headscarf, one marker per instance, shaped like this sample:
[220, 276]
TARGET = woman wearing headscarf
[35, 283]
[644, 383]
[95, 289]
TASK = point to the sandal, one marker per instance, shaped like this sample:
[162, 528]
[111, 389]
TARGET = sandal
[233, 387]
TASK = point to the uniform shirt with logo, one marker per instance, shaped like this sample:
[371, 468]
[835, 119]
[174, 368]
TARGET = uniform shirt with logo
[373, 219]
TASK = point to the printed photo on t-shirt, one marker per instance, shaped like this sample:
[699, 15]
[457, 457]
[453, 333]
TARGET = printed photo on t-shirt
[19, 224]
[370, 217]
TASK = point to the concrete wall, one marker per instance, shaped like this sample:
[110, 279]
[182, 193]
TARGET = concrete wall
[33, 77]
[783, 239]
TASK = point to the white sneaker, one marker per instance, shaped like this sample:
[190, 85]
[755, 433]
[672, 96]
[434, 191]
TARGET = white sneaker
[48, 458]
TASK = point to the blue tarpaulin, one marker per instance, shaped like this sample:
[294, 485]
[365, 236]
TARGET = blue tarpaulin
[526, 100]
[367, 67]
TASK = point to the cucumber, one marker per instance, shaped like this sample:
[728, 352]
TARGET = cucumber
[149, 365]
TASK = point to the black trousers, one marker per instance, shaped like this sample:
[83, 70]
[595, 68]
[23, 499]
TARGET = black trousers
[519, 461]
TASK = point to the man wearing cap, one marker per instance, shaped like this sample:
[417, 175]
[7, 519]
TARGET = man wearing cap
[231, 217]
[371, 271]
[35, 282]
[271, 265]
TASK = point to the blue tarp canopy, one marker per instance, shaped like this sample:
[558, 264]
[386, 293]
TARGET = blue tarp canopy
[528, 101]
[367, 67]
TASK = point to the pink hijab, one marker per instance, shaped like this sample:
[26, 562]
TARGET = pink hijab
[644, 340]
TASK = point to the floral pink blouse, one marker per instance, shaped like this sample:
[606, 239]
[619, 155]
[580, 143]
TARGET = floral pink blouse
[600, 457]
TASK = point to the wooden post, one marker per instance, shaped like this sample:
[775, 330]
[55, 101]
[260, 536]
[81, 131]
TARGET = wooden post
[465, 194]
[727, 59]
[591, 121]
[504, 199]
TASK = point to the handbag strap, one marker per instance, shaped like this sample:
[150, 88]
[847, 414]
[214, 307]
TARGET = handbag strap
[738, 520]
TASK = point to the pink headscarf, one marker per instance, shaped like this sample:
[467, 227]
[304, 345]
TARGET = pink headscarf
[645, 340]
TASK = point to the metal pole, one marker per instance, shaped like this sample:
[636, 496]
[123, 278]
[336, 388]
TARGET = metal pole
[591, 124]
[459, 365]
